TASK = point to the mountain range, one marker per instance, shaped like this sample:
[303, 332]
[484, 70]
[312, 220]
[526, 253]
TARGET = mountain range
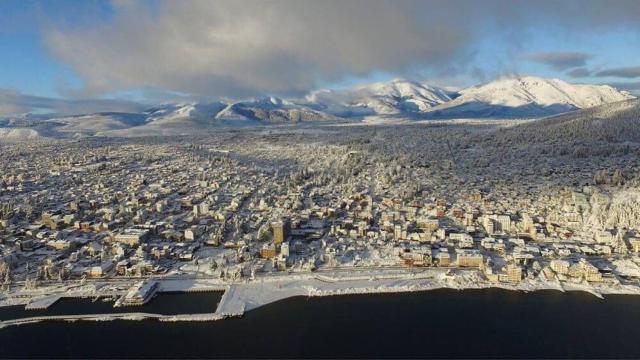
[527, 97]
[520, 97]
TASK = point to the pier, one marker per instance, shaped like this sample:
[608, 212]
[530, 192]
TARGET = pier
[43, 303]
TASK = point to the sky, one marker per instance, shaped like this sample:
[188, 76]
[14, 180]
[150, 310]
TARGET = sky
[69, 56]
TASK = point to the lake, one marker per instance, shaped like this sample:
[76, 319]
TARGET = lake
[438, 323]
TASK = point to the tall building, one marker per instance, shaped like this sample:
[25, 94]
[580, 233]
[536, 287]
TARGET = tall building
[442, 257]
[268, 251]
[280, 231]
[494, 223]
[504, 222]
[362, 228]
[469, 258]
[514, 273]
[397, 232]
[488, 225]
[468, 219]
[284, 249]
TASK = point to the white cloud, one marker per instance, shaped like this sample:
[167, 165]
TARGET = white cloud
[623, 72]
[560, 60]
[239, 48]
[13, 102]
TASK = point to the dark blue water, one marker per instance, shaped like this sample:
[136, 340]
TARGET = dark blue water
[441, 323]
[165, 304]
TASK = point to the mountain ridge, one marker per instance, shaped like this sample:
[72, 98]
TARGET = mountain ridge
[515, 97]
[618, 121]
[528, 96]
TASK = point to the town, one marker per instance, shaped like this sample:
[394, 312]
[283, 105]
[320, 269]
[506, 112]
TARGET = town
[240, 205]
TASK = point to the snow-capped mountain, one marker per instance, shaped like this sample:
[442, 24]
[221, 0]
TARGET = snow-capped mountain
[184, 118]
[527, 97]
[400, 96]
[271, 110]
[397, 96]
[177, 112]
[524, 97]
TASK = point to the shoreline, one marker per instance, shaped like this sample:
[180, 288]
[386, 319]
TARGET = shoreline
[243, 296]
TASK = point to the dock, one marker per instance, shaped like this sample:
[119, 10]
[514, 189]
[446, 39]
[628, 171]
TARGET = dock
[230, 305]
[43, 302]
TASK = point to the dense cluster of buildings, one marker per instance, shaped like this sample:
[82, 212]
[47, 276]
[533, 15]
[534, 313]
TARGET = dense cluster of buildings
[241, 204]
